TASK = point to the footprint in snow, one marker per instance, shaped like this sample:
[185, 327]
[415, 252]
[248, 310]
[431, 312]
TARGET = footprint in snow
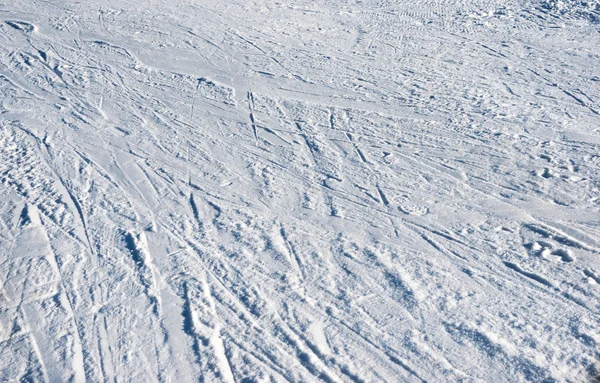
[547, 251]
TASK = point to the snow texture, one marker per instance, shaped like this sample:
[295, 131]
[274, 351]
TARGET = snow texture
[303, 191]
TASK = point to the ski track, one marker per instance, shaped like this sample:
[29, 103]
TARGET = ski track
[299, 191]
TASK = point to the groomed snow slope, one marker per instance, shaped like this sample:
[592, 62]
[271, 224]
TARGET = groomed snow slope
[262, 191]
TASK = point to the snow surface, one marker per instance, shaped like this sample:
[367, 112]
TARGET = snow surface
[270, 191]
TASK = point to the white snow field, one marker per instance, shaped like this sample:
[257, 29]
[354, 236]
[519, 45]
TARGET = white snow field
[299, 191]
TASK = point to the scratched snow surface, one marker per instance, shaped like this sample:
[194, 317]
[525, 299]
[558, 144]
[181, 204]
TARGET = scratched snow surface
[303, 191]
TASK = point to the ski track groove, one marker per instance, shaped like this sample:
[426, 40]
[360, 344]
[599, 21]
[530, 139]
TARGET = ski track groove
[414, 188]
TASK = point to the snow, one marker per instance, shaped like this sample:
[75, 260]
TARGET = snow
[261, 191]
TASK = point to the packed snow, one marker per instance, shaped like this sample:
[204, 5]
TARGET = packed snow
[300, 191]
